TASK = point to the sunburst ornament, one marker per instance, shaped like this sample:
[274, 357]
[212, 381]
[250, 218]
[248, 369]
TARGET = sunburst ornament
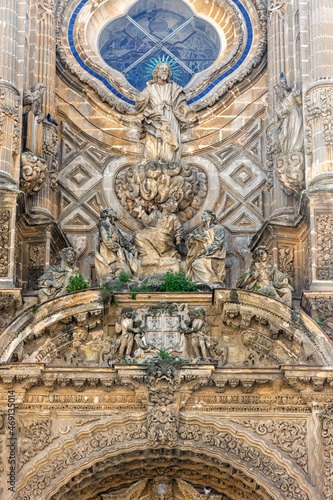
[154, 61]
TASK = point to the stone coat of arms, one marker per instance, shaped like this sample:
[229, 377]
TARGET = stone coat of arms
[162, 327]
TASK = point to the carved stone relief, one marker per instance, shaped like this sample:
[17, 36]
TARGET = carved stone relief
[56, 279]
[36, 265]
[324, 228]
[33, 172]
[265, 278]
[4, 241]
[153, 183]
[289, 140]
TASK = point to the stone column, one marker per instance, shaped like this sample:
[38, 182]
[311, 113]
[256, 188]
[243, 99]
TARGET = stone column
[42, 203]
[318, 110]
[10, 107]
[279, 32]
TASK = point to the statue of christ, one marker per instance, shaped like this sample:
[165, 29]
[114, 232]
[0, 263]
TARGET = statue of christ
[163, 104]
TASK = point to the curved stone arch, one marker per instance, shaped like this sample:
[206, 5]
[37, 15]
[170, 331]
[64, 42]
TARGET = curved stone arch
[33, 322]
[245, 311]
[42, 477]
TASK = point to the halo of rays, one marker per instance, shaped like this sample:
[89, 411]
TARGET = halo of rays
[151, 64]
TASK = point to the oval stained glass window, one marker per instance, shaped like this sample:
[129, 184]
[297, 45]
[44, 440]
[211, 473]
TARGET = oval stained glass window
[155, 31]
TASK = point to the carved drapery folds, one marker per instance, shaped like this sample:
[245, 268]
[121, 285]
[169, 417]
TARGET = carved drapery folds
[265, 278]
[32, 102]
[56, 279]
[289, 138]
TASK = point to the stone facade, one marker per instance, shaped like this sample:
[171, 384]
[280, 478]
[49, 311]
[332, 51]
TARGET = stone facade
[166, 249]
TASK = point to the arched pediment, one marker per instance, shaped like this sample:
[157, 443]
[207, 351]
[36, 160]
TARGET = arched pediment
[246, 328]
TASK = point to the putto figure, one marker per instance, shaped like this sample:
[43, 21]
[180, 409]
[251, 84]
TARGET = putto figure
[163, 104]
[200, 341]
[266, 278]
[115, 251]
[164, 231]
[56, 279]
[206, 252]
[126, 328]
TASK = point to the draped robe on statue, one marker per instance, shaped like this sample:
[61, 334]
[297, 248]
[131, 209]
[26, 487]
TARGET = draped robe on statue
[209, 266]
[164, 108]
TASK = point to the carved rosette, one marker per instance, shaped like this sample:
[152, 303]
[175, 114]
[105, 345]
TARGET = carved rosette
[33, 173]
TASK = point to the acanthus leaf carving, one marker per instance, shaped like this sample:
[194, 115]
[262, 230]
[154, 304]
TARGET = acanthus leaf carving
[33, 172]
[288, 435]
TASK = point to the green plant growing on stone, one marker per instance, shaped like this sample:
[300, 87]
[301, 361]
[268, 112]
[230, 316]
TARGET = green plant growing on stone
[320, 321]
[124, 276]
[35, 308]
[163, 354]
[177, 282]
[77, 282]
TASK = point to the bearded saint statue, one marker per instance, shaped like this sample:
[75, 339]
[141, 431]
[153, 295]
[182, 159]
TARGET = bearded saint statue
[163, 104]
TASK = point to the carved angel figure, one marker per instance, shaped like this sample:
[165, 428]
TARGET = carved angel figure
[55, 281]
[115, 252]
[163, 104]
[127, 329]
[200, 341]
[206, 252]
[164, 232]
[132, 493]
[190, 493]
[265, 278]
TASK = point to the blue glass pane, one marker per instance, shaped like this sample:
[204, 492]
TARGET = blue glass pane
[160, 17]
[121, 44]
[142, 72]
[197, 45]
